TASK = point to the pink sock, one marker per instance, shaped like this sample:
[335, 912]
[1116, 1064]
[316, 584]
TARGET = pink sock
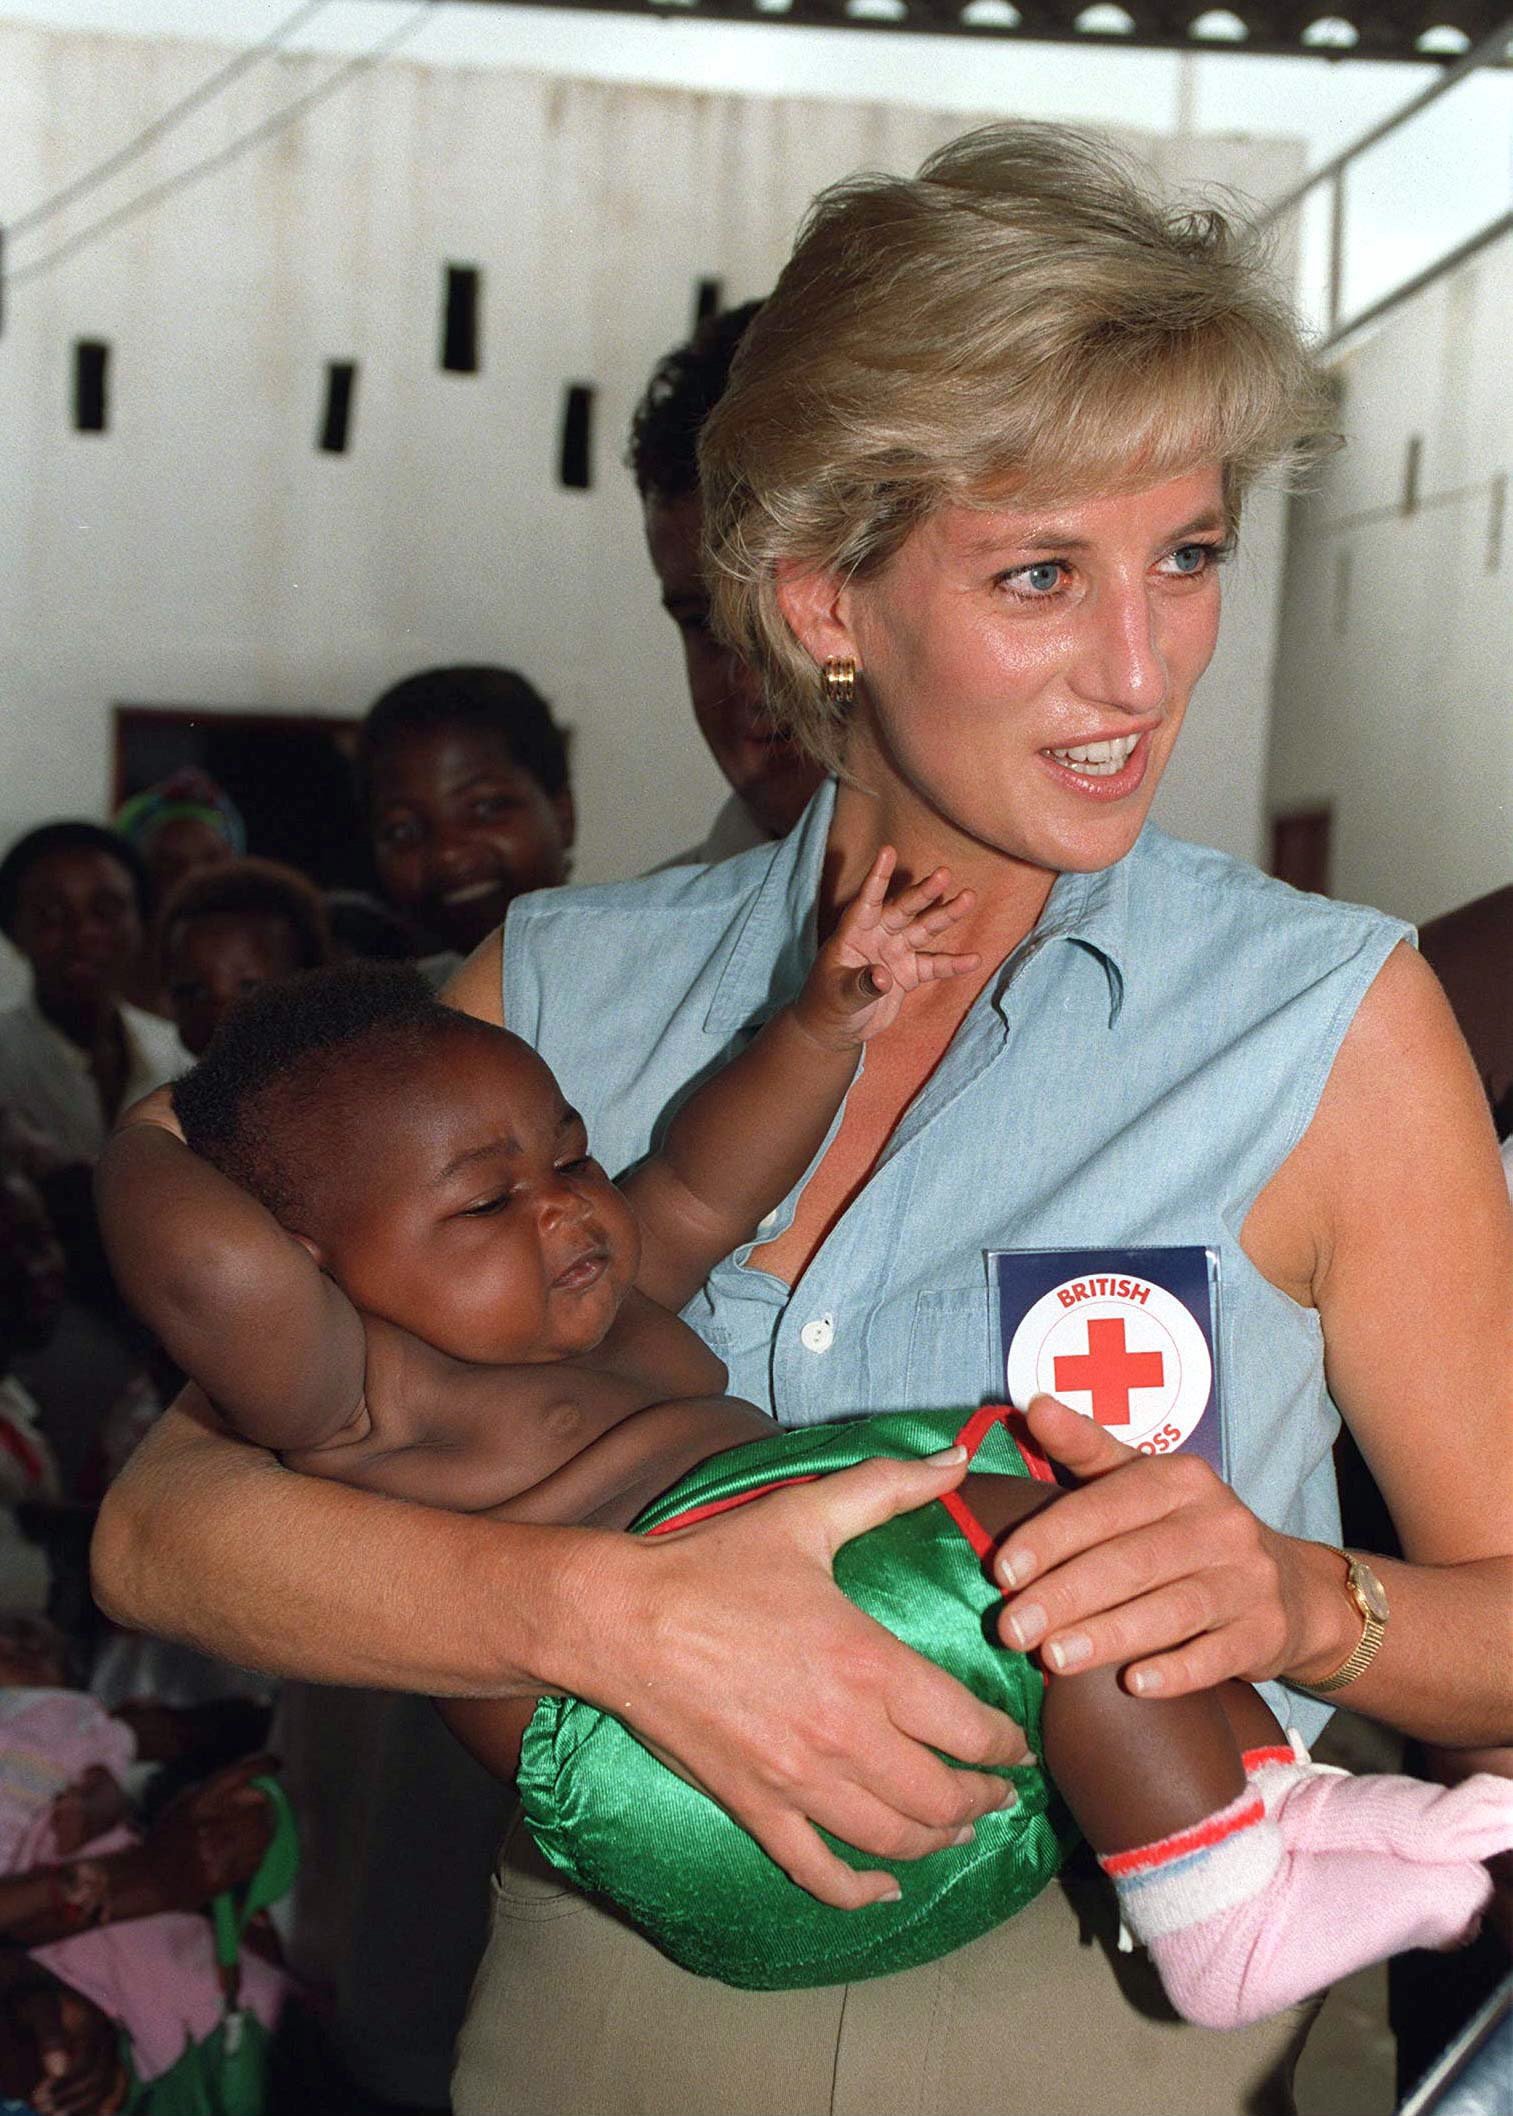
[1307, 1876]
[1325, 1810]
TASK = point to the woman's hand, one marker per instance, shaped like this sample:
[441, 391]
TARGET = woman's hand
[738, 1660]
[156, 1109]
[1154, 1566]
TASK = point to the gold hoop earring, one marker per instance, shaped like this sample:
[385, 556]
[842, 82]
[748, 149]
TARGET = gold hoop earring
[838, 684]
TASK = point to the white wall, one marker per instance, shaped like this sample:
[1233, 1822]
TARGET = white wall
[203, 553]
[1395, 678]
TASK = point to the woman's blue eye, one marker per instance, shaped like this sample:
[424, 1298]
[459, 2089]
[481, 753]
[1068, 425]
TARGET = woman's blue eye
[1189, 559]
[1044, 577]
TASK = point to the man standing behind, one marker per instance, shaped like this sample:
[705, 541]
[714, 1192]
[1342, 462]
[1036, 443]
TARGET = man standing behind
[771, 779]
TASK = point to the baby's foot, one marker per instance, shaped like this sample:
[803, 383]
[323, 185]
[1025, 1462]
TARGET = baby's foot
[1319, 1917]
[1325, 1811]
[1309, 1875]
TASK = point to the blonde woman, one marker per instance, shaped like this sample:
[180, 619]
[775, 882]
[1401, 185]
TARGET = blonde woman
[969, 496]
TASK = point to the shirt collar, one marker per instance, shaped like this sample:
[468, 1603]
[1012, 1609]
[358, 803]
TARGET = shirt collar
[1091, 911]
[61, 1046]
[143, 1067]
[776, 942]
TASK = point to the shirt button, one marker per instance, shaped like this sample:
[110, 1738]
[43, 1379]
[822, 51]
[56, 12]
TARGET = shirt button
[819, 1335]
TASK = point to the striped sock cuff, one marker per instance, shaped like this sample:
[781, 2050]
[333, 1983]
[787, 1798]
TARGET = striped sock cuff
[1279, 1752]
[1223, 1860]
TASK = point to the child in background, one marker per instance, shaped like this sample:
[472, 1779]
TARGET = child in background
[404, 1270]
[227, 929]
[463, 777]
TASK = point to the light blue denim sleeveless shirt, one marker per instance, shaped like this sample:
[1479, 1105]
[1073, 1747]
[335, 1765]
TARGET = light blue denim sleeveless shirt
[1134, 1075]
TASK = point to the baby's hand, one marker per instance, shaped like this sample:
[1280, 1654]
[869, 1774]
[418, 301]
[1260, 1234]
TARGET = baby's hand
[880, 951]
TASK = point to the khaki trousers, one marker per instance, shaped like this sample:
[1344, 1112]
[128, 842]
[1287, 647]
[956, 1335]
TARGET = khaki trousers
[574, 2014]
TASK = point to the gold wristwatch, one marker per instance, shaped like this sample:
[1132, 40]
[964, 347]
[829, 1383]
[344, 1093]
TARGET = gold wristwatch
[1369, 1597]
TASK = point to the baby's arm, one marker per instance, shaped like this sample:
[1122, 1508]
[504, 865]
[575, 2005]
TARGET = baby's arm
[743, 1139]
[240, 1304]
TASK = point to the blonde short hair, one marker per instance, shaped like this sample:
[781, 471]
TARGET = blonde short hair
[1023, 319]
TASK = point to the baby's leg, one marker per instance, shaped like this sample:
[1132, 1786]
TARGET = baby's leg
[1254, 1878]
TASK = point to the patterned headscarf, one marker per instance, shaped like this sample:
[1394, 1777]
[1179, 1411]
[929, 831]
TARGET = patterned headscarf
[190, 792]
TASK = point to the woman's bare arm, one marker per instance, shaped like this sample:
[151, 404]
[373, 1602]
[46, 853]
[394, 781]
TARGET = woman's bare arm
[833, 1724]
[1391, 1217]
[477, 988]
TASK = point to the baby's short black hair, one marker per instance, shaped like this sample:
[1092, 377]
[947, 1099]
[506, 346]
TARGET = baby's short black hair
[291, 1057]
[493, 701]
[70, 835]
[686, 385]
[251, 888]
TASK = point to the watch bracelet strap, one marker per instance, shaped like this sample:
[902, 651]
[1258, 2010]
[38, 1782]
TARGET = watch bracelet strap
[1359, 1659]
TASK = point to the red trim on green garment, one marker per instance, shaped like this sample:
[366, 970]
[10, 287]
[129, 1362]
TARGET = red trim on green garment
[971, 1437]
[724, 1506]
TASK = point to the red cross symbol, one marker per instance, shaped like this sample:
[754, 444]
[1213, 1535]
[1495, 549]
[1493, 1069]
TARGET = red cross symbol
[1109, 1370]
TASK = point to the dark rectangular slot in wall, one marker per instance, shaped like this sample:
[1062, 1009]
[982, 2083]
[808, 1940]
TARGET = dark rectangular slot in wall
[91, 386]
[708, 299]
[1497, 520]
[459, 320]
[576, 467]
[336, 422]
[1413, 465]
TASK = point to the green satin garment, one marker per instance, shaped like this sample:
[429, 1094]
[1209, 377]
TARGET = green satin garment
[619, 1824]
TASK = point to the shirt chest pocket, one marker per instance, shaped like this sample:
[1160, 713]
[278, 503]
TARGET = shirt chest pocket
[950, 1361]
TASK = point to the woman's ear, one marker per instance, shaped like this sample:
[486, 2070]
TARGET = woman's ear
[817, 608]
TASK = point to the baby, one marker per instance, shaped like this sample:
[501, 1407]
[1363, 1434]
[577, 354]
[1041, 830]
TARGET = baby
[386, 1252]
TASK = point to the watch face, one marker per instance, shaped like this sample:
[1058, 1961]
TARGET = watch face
[1369, 1588]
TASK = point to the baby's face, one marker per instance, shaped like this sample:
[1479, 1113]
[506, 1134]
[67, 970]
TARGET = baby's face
[483, 1227]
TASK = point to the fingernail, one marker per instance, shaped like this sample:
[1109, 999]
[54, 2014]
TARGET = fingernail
[1016, 1567]
[1010, 1799]
[1145, 1682]
[965, 1834]
[893, 1895]
[1026, 1625]
[1071, 1652]
[949, 1454]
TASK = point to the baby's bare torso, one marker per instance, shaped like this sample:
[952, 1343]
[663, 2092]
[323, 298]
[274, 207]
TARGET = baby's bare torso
[590, 1439]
